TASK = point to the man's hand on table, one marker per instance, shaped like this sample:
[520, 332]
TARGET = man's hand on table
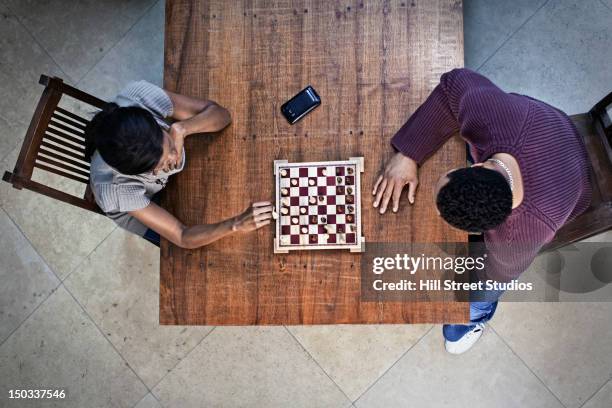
[398, 172]
[256, 216]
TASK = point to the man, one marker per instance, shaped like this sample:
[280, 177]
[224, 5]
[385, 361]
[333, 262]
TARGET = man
[530, 177]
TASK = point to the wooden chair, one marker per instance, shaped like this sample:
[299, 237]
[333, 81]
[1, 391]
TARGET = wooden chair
[54, 142]
[595, 127]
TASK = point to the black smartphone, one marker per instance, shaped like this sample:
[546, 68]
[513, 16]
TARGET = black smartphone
[302, 103]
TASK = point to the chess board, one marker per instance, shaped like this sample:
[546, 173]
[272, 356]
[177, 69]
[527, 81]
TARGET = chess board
[318, 205]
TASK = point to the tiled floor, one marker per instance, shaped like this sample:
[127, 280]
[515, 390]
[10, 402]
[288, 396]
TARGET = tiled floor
[79, 310]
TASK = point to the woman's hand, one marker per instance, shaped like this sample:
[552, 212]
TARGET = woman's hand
[400, 170]
[256, 216]
[177, 133]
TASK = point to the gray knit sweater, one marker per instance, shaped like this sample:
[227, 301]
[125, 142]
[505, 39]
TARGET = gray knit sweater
[117, 194]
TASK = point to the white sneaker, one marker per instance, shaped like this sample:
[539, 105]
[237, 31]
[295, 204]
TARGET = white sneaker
[466, 342]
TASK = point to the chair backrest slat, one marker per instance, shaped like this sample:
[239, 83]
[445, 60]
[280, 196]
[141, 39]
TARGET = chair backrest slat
[77, 144]
[61, 173]
[61, 116]
[62, 165]
[61, 150]
[55, 143]
[82, 165]
[55, 123]
[71, 115]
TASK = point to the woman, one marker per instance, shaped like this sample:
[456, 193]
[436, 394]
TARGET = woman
[133, 151]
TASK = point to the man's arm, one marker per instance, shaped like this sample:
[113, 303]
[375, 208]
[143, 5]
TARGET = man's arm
[512, 247]
[429, 127]
[169, 227]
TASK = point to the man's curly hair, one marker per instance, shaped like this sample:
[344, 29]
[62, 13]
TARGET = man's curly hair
[475, 199]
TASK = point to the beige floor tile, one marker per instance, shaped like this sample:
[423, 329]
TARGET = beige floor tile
[603, 237]
[26, 279]
[356, 356]
[59, 347]
[558, 55]
[11, 134]
[489, 375]
[23, 61]
[118, 285]
[567, 345]
[139, 55]
[78, 34]
[603, 398]
[249, 367]
[148, 401]
[61, 233]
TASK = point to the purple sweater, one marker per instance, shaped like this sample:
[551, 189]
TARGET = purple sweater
[547, 146]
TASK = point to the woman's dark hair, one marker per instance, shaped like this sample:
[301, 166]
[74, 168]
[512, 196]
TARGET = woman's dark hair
[128, 138]
[475, 199]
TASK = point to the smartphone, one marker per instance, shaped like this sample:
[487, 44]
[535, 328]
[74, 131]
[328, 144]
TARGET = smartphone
[302, 103]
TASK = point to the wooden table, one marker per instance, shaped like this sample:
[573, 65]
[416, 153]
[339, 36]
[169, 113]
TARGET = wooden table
[372, 63]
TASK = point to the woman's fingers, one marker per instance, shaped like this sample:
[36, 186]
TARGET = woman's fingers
[263, 217]
[263, 210]
[262, 223]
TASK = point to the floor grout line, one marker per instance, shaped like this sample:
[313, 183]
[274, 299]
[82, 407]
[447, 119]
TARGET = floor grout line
[31, 244]
[105, 337]
[117, 42]
[53, 289]
[44, 261]
[595, 393]
[90, 253]
[394, 364]
[145, 396]
[181, 360]
[605, 5]
[512, 35]
[527, 366]
[36, 40]
[318, 365]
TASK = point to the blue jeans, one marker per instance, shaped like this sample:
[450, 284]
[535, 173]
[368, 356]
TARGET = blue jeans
[480, 312]
[150, 235]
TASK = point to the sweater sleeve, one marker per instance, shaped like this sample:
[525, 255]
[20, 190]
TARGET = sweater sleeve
[437, 119]
[512, 246]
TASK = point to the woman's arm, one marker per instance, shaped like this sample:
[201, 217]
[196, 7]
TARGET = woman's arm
[168, 226]
[196, 115]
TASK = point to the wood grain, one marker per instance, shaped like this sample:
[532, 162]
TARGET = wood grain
[372, 63]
